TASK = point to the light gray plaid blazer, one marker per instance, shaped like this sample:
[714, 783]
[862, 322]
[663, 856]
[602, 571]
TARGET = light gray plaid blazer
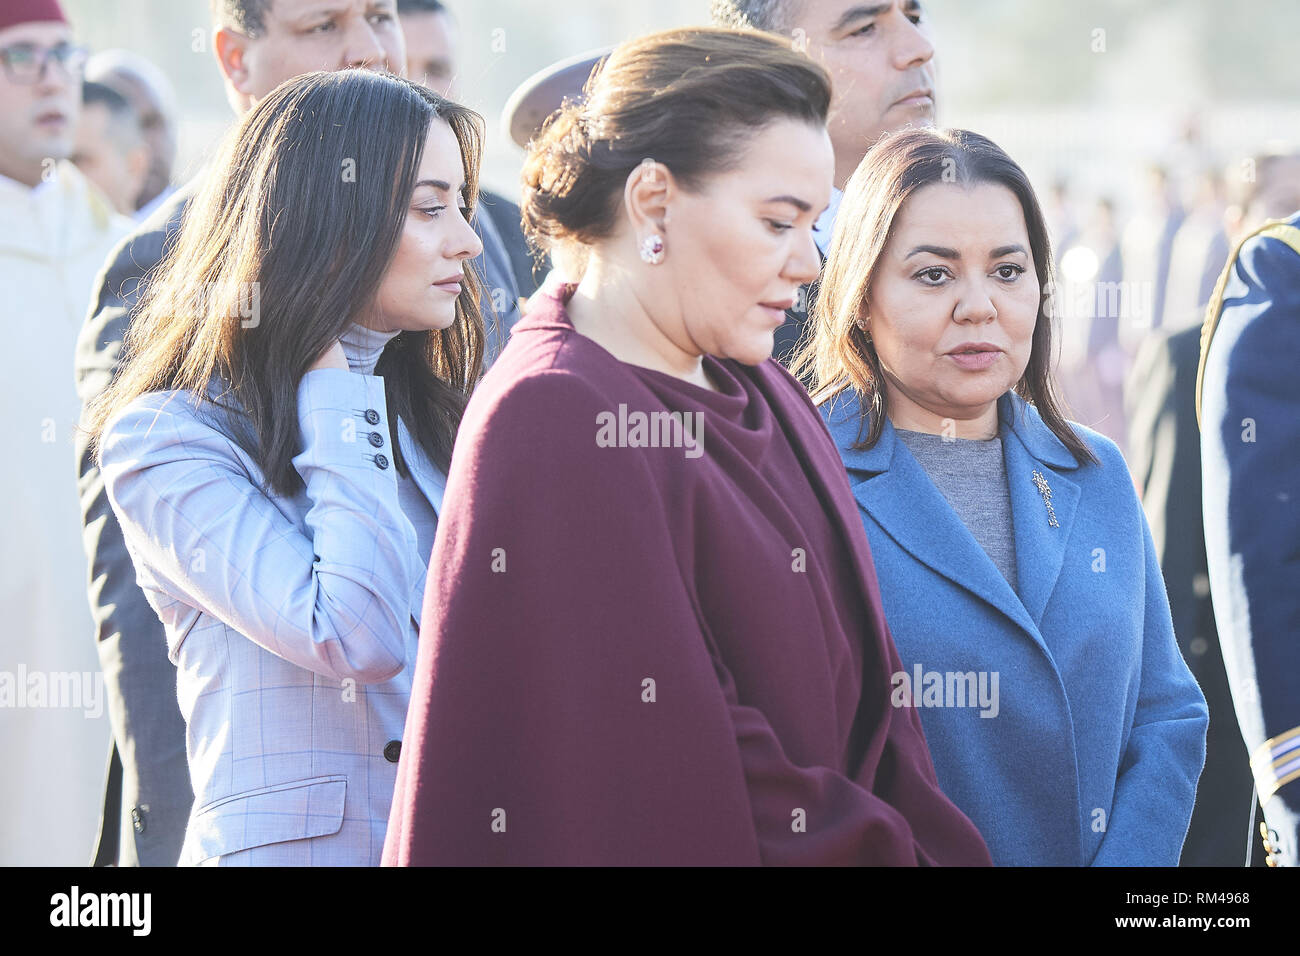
[292, 621]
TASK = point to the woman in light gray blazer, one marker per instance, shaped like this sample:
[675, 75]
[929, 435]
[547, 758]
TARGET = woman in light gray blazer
[275, 448]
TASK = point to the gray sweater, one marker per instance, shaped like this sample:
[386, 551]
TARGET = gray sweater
[972, 477]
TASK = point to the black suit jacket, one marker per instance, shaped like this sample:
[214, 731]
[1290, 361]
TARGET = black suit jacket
[1165, 457]
[147, 797]
[788, 336]
[507, 218]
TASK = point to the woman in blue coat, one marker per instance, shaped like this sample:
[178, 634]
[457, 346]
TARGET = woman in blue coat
[1018, 574]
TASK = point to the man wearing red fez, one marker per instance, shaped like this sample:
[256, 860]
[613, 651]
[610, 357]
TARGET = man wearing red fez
[54, 232]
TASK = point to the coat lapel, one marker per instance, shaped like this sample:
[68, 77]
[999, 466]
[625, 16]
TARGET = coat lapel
[892, 487]
[895, 490]
[428, 478]
[1028, 446]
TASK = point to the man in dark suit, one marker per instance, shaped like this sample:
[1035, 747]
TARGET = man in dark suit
[882, 73]
[258, 45]
[1249, 409]
[147, 796]
[1165, 458]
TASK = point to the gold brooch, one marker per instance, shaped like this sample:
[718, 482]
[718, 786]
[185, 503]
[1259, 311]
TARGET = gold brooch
[1043, 489]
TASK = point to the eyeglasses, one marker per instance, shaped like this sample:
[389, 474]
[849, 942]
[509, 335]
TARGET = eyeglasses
[25, 63]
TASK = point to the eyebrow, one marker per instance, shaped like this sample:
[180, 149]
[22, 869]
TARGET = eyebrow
[864, 11]
[943, 252]
[337, 8]
[439, 184]
[1001, 251]
[330, 10]
[859, 13]
[795, 201]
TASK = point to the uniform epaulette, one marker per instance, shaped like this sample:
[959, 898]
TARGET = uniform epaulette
[1273, 229]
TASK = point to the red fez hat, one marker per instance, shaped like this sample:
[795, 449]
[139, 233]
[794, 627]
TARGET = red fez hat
[14, 12]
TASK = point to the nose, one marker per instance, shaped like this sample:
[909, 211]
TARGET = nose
[363, 48]
[974, 306]
[912, 47]
[464, 242]
[54, 77]
[805, 262]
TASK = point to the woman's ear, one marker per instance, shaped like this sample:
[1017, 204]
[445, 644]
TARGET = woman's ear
[647, 196]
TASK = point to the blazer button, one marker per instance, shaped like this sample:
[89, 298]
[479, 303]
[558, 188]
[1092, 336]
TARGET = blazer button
[377, 439]
[381, 461]
[137, 819]
[392, 750]
[372, 416]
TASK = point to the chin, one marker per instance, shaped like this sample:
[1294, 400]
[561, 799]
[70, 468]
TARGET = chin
[981, 398]
[752, 353]
[441, 320]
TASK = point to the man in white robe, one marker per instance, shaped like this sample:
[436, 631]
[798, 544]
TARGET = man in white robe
[55, 230]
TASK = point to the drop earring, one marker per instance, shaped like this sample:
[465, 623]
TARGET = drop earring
[652, 249]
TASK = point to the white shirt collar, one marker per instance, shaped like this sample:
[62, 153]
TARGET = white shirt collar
[824, 228]
[23, 188]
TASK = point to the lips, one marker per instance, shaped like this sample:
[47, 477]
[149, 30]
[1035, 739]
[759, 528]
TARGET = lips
[450, 284]
[975, 356]
[975, 347]
[776, 310]
[919, 97]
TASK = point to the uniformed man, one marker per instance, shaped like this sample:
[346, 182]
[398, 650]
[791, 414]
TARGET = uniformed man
[1249, 410]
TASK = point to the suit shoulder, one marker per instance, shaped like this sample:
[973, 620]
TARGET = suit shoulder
[544, 384]
[174, 407]
[166, 424]
[843, 417]
[545, 411]
[1271, 264]
[140, 251]
[498, 206]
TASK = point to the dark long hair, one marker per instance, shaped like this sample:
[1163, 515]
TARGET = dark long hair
[836, 354]
[301, 215]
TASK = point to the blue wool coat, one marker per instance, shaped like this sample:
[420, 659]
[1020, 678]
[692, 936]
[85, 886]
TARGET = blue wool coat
[1062, 720]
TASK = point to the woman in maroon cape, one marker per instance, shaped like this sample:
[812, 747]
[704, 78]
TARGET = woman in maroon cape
[652, 632]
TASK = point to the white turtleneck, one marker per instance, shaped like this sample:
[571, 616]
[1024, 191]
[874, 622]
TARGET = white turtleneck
[363, 346]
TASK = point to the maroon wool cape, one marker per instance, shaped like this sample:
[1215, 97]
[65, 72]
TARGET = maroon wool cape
[563, 577]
